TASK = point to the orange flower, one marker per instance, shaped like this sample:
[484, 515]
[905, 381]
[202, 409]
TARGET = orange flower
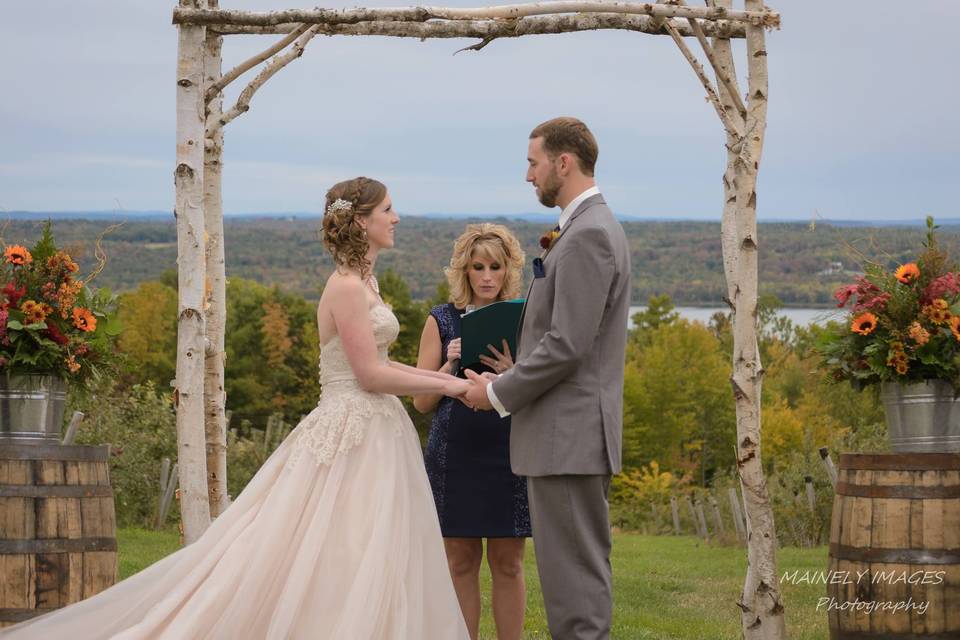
[84, 320]
[938, 311]
[67, 295]
[902, 368]
[919, 335]
[18, 255]
[33, 312]
[62, 259]
[955, 326]
[908, 273]
[864, 324]
[72, 364]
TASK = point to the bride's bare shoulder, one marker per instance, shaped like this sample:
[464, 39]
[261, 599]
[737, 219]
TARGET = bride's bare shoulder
[342, 288]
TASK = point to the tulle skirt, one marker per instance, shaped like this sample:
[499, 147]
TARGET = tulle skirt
[347, 548]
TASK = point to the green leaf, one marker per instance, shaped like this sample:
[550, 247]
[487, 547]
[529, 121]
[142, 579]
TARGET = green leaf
[16, 325]
[113, 326]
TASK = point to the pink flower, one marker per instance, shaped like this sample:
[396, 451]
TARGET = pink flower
[947, 285]
[843, 294]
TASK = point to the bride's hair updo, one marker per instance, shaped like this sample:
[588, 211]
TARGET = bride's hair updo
[343, 236]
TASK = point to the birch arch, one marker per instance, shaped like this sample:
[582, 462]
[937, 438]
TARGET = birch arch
[202, 117]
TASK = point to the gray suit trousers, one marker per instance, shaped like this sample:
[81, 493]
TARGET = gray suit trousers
[571, 537]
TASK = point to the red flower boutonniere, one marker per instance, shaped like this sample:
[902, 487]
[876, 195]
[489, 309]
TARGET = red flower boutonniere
[547, 239]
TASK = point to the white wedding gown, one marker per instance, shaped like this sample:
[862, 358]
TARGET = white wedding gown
[335, 537]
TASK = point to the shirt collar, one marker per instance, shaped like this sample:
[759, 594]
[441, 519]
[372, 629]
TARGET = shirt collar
[570, 208]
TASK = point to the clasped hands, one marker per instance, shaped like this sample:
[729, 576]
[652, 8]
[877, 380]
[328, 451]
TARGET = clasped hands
[475, 393]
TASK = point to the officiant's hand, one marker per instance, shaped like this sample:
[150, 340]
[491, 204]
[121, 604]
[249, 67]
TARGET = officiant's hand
[502, 361]
[453, 350]
[476, 395]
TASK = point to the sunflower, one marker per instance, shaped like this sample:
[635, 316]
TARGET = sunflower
[864, 324]
[938, 311]
[33, 312]
[18, 255]
[907, 273]
[84, 320]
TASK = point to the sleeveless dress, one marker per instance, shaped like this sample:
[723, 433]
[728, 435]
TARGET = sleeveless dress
[468, 462]
[335, 537]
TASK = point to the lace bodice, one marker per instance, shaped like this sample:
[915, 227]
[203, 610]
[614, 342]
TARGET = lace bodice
[345, 411]
[334, 366]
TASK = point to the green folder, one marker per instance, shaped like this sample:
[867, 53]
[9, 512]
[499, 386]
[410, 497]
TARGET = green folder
[489, 325]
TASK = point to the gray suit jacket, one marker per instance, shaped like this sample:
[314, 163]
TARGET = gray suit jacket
[566, 390]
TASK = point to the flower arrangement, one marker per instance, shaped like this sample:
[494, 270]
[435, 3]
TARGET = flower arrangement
[51, 321]
[903, 325]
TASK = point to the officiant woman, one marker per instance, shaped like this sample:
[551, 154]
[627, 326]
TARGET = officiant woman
[468, 452]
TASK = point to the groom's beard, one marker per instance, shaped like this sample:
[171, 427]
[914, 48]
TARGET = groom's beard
[550, 189]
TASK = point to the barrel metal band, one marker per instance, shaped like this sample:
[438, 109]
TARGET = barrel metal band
[57, 545]
[873, 491]
[901, 461]
[895, 556]
[56, 491]
[49, 452]
[19, 615]
[838, 634]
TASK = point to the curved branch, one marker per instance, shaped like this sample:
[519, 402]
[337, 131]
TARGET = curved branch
[280, 61]
[246, 65]
[722, 76]
[732, 127]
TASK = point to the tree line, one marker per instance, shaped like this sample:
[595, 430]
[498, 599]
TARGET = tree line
[799, 264]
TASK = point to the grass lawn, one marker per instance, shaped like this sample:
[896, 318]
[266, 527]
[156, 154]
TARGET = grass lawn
[665, 588]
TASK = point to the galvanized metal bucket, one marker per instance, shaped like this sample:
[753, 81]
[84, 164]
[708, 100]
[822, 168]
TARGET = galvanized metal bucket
[31, 408]
[922, 417]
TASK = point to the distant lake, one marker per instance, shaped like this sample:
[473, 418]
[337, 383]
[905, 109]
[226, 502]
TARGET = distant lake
[800, 315]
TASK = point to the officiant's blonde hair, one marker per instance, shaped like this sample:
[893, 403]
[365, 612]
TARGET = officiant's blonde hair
[494, 242]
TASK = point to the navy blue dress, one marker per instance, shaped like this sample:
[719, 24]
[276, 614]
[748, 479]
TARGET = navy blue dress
[468, 462]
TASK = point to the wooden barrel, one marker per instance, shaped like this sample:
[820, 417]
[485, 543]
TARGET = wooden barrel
[58, 540]
[895, 548]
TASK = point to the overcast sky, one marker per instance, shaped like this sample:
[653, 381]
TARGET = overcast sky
[863, 115]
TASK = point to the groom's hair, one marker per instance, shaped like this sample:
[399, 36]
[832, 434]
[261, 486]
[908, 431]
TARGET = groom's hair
[569, 135]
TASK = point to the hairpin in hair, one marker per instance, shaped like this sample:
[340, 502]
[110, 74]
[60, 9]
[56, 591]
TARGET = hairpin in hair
[339, 205]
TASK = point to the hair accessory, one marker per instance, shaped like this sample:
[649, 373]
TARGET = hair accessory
[339, 205]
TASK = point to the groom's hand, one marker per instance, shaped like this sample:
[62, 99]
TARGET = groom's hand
[476, 395]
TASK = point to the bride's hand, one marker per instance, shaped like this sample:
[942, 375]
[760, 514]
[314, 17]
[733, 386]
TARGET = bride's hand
[456, 387]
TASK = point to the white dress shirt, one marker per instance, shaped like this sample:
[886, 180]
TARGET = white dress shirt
[564, 217]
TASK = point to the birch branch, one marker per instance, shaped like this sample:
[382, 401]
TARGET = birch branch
[501, 28]
[246, 65]
[210, 17]
[280, 61]
[722, 76]
[729, 124]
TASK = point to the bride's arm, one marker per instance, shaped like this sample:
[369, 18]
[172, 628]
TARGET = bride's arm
[349, 308]
[420, 372]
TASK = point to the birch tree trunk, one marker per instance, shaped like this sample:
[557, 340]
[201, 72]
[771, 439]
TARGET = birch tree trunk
[762, 612]
[188, 180]
[215, 305]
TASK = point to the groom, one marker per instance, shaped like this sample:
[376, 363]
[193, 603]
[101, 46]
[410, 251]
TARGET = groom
[566, 390]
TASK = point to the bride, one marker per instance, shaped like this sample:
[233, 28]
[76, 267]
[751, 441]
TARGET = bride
[336, 536]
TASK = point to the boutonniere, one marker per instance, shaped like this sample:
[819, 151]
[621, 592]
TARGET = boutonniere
[547, 239]
[546, 243]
